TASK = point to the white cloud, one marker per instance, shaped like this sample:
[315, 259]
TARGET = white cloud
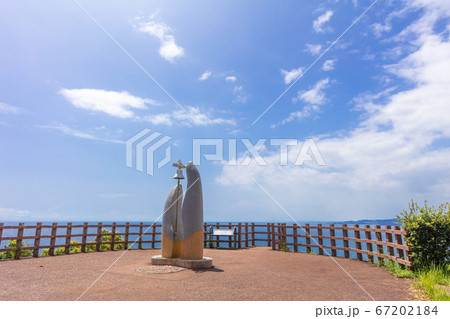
[328, 65]
[117, 104]
[321, 20]
[291, 75]
[159, 119]
[240, 95]
[9, 109]
[121, 105]
[299, 115]
[315, 95]
[77, 133]
[169, 50]
[376, 168]
[180, 118]
[202, 118]
[314, 49]
[205, 76]
[378, 29]
[12, 213]
[230, 78]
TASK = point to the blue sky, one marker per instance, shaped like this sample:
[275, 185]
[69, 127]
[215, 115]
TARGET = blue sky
[376, 104]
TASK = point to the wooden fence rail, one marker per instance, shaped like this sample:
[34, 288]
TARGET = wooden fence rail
[335, 240]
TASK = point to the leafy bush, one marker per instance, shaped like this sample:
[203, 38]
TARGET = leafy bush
[62, 250]
[106, 237]
[429, 234]
[91, 245]
[13, 253]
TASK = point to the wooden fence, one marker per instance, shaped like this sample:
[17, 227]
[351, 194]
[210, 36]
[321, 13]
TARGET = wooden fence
[370, 243]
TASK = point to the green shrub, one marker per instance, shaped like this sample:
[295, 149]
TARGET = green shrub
[13, 253]
[91, 245]
[106, 237]
[62, 250]
[429, 234]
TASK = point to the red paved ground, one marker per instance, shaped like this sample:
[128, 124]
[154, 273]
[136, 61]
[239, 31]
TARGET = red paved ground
[250, 274]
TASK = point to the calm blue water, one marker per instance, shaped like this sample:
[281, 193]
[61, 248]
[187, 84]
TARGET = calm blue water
[260, 239]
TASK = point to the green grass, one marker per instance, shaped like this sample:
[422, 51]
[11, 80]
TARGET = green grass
[395, 269]
[434, 282]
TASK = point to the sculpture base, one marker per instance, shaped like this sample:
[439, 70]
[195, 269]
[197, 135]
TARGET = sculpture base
[204, 263]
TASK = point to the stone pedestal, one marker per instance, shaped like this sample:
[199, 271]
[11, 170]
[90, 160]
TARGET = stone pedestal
[204, 263]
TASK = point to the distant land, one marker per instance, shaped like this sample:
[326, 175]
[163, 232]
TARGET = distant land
[392, 221]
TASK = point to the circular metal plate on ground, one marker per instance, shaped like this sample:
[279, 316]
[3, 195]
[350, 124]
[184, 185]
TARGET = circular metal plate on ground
[156, 269]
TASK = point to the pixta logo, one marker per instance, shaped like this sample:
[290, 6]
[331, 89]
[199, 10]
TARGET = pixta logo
[146, 145]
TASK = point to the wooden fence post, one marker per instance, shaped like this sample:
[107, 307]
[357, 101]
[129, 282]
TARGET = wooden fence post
[399, 241]
[379, 245]
[253, 235]
[113, 236]
[68, 236]
[269, 235]
[369, 246]
[333, 241]
[127, 231]
[357, 242]
[246, 235]
[84, 238]
[273, 237]
[239, 235]
[153, 235]
[51, 250]
[141, 231]
[308, 238]
[19, 241]
[37, 239]
[319, 234]
[229, 237]
[294, 233]
[217, 237]
[98, 240]
[280, 236]
[205, 234]
[389, 239]
[345, 235]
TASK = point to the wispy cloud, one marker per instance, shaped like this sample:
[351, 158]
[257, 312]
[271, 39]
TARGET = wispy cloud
[169, 50]
[321, 20]
[6, 212]
[328, 65]
[117, 104]
[314, 49]
[291, 75]
[230, 78]
[202, 118]
[204, 76]
[77, 133]
[314, 95]
[306, 112]
[239, 94]
[182, 119]
[9, 109]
